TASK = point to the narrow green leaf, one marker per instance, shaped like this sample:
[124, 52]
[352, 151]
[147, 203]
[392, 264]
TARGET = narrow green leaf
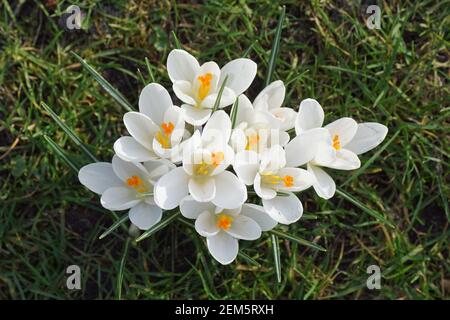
[366, 209]
[276, 256]
[149, 69]
[161, 225]
[298, 240]
[72, 135]
[219, 95]
[113, 92]
[60, 152]
[275, 47]
[177, 42]
[115, 225]
[121, 269]
[248, 259]
[247, 52]
[234, 111]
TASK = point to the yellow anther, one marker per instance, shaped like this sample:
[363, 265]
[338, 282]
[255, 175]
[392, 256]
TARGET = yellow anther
[224, 221]
[336, 142]
[252, 141]
[205, 85]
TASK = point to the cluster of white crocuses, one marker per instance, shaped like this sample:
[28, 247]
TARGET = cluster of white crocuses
[198, 159]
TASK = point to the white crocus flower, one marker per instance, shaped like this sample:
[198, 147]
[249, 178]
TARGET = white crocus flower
[126, 185]
[198, 86]
[203, 173]
[335, 146]
[271, 99]
[256, 130]
[224, 227]
[273, 182]
[156, 130]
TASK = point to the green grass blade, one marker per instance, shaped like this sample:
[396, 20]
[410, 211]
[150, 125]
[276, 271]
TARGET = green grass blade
[161, 225]
[60, 152]
[248, 259]
[115, 225]
[72, 135]
[276, 256]
[121, 269]
[298, 240]
[234, 111]
[113, 92]
[149, 69]
[367, 210]
[177, 42]
[219, 95]
[275, 47]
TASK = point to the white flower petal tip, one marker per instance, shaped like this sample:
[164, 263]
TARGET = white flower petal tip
[368, 136]
[145, 216]
[154, 101]
[231, 192]
[171, 188]
[310, 115]
[324, 185]
[181, 65]
[284, 209]
[240, 73]
[223, 247]
[259, 215]
[98, 177]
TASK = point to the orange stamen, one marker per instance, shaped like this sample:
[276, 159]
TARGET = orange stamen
[205, 85]
[336, 142]
[224, 221]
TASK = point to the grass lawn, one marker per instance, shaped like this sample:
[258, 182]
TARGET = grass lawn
[393, 212]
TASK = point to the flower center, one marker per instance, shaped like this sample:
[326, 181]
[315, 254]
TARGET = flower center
[205, 85]
[163, 136]
[224, 221]
[336, 142]
[273, 179]
[137, 184]
[206, 167]
[252, 141]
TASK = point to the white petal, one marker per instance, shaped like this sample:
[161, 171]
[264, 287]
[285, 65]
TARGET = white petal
[310, 115]
[286, 117]
[218, 128]
[324, 185]
[202, 190]
[303, 148]
[195, 116]
[98, 177]
[246, 166]
[141, 128]
[154, 102]
[227, 98]
[244, 228]
[145, 216]
[191, 209]
[228, 158]
[181, 65]
[345, 160]
[271, 97]
[223, 247]
[345, 128]
[157, 168]
[262, 191]
[273, 159]
[368, 136]
[258, 214]
[240, 72]
[325, 154]
[245, 108]
[129, 149]
[183, 90]
[284, 209]
[171, 188]
[230, 191]
[206, 225]
[119, 198]
[302, 179]
[238, 140]
[125, 169]
[208, 67]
